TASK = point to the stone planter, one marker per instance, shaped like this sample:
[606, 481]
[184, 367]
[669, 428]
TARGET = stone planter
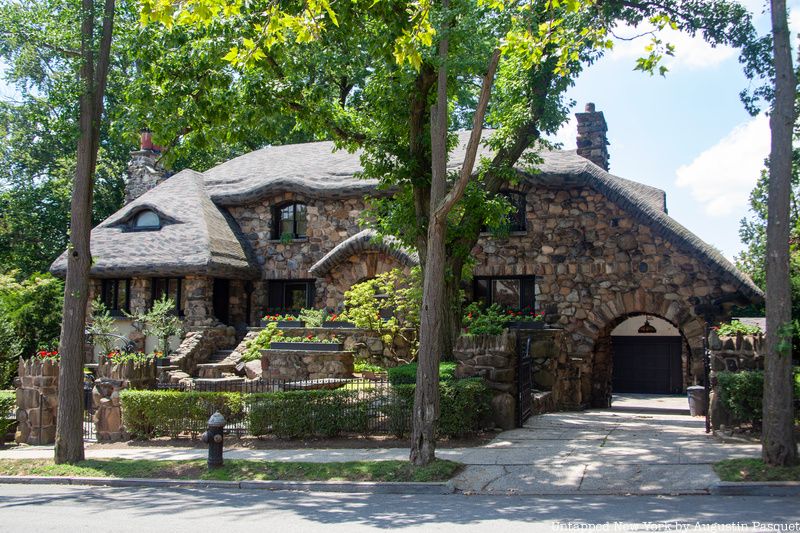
[526, 324]
[162, 361]
[307, 346]
[339, 324]
[285, 323]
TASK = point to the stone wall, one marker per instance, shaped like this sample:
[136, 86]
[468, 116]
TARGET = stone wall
[356, 269]
[198, 309]
[494, 358]
[731, 354]
[197, 347]
[296, 365]
[37, 401]
[110, 380]
[595, 266]
[144, 173]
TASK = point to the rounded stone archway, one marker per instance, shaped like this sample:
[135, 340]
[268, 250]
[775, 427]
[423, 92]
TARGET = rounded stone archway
[589, 341]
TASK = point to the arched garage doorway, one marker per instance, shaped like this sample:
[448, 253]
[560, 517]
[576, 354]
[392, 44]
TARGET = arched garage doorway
[646, 357]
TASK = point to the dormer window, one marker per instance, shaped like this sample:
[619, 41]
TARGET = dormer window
[289, 221]
[147, 220]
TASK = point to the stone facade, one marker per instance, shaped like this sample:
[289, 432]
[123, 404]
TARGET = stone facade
[144, 173]
[37, 402]
[594, 267]
[731, 354]
[296, 365]
[110, 380]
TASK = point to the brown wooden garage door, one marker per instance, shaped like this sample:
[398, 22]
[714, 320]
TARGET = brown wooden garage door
[649, 365]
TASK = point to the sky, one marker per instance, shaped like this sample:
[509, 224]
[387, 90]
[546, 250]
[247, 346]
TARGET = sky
[686, 133]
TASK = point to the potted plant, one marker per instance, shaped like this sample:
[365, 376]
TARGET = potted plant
[309, 343]
[162, 322]
[525, 318]
[337, 321]
[283, 320]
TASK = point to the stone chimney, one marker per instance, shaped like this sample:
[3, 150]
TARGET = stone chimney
[144, 171]
[592, 141]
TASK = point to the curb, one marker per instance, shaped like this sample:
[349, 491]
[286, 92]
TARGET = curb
[756, 488]
[355, 487]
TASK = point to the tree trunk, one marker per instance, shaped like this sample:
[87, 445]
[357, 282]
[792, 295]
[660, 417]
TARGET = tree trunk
[69, 420]
[778, 444]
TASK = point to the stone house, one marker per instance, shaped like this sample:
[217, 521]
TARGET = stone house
[279, 228]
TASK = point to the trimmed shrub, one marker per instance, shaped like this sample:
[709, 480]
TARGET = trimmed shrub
[464, 403]
[742, 393]
[8, 401]
[407, 374]
[325, 413]
[148, 414]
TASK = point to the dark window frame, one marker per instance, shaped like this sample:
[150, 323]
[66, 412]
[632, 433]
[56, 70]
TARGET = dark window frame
[277, 291]
[156, 294]
[277, 212]
[527, 293]
[135, 218]
[517, 220]
[110, 292]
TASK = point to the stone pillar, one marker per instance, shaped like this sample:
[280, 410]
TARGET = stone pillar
[592, 140]
[199, 308]
[144, 170]
[37, 401]
[493, 357]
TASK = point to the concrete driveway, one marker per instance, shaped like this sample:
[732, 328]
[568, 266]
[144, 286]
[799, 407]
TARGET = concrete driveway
[642, 447]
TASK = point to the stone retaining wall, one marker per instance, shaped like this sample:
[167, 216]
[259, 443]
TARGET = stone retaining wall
[732, 354]
[296, 365]
[197, 347]
[37, 402]
[111, 379]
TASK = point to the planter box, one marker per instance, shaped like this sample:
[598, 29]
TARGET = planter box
[162, 361]
[285, 323]
[338, 325]
[522, 324]
[307, 346]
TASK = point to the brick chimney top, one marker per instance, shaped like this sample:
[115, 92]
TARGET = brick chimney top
[592, 141]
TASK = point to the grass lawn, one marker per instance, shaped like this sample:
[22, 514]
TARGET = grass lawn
[236, 470]
[755, 470]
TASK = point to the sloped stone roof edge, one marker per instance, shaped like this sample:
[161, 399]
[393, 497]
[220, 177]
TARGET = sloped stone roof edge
[362, 241]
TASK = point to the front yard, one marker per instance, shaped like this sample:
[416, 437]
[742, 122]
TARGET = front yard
[755, 470]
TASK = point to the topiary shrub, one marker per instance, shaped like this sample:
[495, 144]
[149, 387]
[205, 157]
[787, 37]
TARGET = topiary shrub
[742, 393]
[407, 374]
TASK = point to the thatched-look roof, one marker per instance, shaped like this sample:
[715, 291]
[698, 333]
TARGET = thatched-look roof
[363, 241]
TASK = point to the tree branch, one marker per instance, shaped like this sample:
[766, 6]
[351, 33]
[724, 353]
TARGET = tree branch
[474, 140]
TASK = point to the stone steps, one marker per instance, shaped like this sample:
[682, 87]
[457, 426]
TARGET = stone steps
[219, 356]
[215, 370]
[219, 384]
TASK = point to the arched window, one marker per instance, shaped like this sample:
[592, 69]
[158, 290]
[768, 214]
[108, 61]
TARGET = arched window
[516, 218]
[147, 220]
[289, 221]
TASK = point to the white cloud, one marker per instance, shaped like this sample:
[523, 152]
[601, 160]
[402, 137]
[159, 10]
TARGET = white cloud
[691, 53]
[722, 176]
[567, 133]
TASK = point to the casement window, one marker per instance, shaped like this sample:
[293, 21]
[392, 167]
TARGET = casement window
[507, 291]
[170, 287]
[115, 294]
[289, 221]
[290, 295]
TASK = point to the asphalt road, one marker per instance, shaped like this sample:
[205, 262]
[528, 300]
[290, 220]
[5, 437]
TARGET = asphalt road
[35, 508]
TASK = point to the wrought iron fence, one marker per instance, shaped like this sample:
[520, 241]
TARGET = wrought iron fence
[257, 408]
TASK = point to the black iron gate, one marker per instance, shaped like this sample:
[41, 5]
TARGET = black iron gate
[524, 383]
[88, 413]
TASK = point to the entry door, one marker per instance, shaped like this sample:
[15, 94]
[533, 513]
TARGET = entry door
[649, 365]
[222, 290]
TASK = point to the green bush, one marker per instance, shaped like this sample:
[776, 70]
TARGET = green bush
[734, 327]
[324, 413]
[407, 374]
[148, 414]
[464, 403]
[7, 415]
[742, 393]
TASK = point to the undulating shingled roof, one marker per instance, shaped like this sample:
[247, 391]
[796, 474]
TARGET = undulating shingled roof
[195, 237]
[205, 241]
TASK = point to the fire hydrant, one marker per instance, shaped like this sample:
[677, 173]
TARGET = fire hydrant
[213, 437]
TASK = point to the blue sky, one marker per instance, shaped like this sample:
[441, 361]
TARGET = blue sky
[686, 133]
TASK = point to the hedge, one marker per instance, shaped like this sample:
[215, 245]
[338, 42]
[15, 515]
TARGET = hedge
[742, 393]
[464, 405]
[407, 374]
[149, 414]
[324, 413]
[8, 401]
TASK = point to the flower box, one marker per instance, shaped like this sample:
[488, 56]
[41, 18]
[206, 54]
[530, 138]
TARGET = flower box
[285, 323]
[526, 324]
[339, 324]
[307, 346]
